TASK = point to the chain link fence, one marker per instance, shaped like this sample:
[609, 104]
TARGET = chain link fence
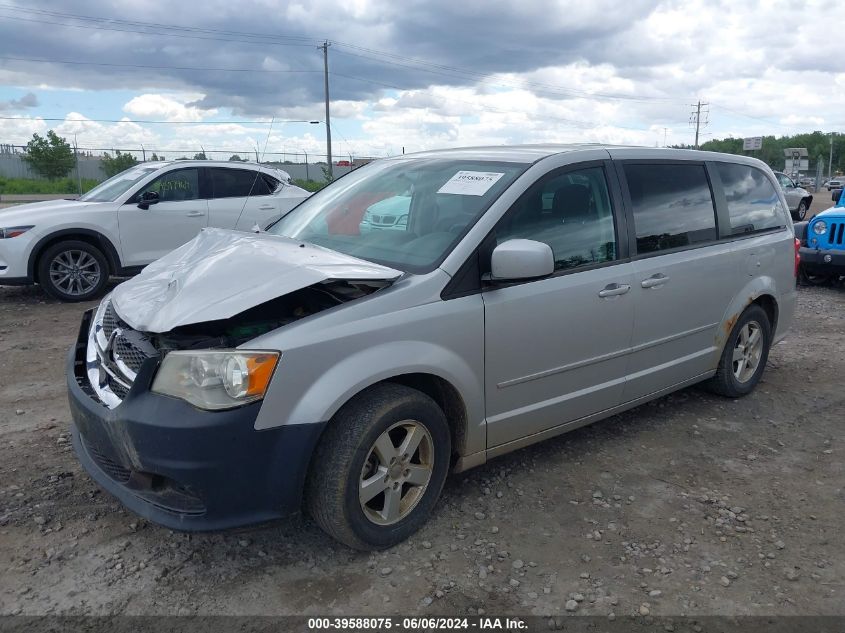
[88, 166]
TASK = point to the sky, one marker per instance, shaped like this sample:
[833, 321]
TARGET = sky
[243, 77]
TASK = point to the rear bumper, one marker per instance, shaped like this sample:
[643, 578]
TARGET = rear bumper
[181, 467]
[817, 260]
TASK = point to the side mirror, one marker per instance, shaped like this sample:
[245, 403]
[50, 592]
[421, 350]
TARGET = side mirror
[521, 259]
[148, 198]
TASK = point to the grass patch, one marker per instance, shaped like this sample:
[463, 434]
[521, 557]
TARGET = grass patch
[309, 185]
[22, 186]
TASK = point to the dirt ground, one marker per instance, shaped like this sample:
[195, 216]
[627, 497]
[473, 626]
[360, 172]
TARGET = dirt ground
[692, 504]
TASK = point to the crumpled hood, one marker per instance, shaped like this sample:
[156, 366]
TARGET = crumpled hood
[221, 273]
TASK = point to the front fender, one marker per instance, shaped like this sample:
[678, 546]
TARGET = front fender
[354, 373]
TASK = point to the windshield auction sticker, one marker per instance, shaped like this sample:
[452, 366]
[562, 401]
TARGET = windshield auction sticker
[470, 183]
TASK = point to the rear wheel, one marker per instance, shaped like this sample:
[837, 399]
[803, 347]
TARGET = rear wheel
[744, 357]
[379, 469]
[814, 279]
[73, 271]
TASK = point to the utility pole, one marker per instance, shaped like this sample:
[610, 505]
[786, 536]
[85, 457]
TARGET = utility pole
[695, 119]
[325, 48]
[664, 136]
[830, 159]
[76, 159]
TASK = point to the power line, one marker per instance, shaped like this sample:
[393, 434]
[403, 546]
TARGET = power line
[193, 29]
[107, 28]
[383, 57]
[203, 68]
[65, 120]
[454, 72]
[574, 122]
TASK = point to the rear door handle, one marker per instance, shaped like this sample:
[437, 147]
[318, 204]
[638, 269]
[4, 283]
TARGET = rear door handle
[267, 207]
[195, 214]
[654, 281]
[613, 290]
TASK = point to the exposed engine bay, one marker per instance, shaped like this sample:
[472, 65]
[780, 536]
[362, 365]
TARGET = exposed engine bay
[265, 317]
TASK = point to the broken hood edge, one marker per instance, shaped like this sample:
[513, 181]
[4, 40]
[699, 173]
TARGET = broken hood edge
[221, 273]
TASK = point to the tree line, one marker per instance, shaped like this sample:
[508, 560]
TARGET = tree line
[818, 145]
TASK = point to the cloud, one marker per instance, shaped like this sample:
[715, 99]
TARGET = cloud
[168, 108]
[29, 100]
[428, 73]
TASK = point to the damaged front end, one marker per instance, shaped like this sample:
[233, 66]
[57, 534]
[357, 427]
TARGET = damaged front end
[116, 351]
[218, 291]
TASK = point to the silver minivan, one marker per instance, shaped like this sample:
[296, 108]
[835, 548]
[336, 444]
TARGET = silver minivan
[531, 290]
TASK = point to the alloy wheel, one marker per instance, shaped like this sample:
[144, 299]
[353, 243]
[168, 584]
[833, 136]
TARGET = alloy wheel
[396, 473]
[75, 272]
[748, 351]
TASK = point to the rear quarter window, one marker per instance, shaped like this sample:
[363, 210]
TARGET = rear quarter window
[753, 201]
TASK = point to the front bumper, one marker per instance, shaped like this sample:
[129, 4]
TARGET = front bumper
[14, 260]
[813, 260]
[182, 467]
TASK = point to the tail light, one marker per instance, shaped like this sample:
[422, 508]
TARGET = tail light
[797, 256]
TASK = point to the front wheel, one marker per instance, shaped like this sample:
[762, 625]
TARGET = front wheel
[801, 211]
[379, 469]
[73, 271]
[744, 357]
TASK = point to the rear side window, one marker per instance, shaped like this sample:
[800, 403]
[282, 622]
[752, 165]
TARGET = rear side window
[672, 206]
[753, 202]
[236, 183]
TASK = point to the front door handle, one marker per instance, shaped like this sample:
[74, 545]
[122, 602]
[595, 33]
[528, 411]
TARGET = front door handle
[613, 290]
[654, 281]
[195, 214]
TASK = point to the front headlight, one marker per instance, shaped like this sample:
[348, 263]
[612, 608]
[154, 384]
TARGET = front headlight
[820, 227]
[216, 380]
[13, 231]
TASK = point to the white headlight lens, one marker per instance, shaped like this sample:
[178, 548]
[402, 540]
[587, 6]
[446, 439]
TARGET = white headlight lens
[216, 379]
[820, 227]
[236, 376]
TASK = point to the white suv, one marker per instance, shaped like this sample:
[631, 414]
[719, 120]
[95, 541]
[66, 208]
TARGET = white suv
[71, 247]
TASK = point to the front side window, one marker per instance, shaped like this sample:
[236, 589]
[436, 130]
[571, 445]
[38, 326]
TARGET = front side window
[753, 202]
[111, 189]
[237, 183]
[406, 213]
[672, 205]
[785, 181]
[570, 212]
[176, 186]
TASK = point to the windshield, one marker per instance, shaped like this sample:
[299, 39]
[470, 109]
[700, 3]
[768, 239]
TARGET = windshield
[403, 213]
[116, 186]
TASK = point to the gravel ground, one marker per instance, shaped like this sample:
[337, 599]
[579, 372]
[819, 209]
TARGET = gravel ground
[692, 504]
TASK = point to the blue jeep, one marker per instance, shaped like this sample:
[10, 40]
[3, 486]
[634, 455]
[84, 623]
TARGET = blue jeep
[823, 245]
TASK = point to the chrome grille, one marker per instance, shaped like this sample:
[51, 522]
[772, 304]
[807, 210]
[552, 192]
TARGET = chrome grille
[114, 355]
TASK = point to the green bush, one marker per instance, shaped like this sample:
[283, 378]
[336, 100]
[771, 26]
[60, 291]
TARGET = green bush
[309, 185]
[112, 166]
[21, 186]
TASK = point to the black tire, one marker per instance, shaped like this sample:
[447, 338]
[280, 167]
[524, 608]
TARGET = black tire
[725, 382]
[814, 279]
[90, 280]
[348, 446]
[801, 211]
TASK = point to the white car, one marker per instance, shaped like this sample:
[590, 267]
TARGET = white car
[70, 247]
